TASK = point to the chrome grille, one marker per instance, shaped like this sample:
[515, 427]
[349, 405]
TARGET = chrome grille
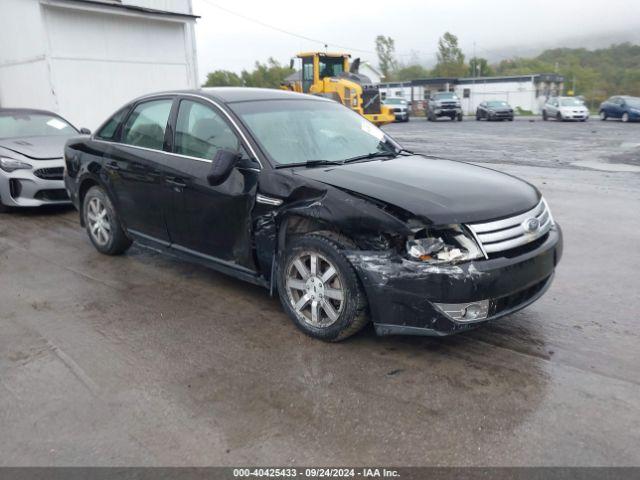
[508, 233]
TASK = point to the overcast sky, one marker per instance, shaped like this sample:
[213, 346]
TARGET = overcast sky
[230, 42]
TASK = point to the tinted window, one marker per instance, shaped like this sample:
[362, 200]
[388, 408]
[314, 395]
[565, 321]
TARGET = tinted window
[18, 124]
[146, 125]
[201, 131]
[109, 129]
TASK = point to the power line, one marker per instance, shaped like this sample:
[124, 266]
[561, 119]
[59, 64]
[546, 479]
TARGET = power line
[286, 32]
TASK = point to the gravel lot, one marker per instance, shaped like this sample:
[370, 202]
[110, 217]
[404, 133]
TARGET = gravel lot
[145, 360]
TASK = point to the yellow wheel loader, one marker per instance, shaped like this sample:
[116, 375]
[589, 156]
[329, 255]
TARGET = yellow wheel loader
[329, 75]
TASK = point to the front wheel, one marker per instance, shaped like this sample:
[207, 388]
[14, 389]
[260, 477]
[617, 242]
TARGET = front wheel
[319, 289]
[545, 117]
[459, 117]
[625, 117]
[603, 115]
[559, 117]
[103, 224]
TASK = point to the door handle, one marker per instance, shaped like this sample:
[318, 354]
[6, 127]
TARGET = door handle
[176, 182]
[113, 166]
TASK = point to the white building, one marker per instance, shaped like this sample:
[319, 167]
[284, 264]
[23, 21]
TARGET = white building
[85, 58]
[525, 92]
[370, 71]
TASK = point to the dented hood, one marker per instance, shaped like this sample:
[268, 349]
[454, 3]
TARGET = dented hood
[439, 191]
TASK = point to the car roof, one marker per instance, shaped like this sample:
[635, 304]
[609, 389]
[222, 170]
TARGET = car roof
[27, 111]
[242, 94]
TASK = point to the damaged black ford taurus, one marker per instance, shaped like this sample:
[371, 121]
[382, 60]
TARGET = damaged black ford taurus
[303, 196]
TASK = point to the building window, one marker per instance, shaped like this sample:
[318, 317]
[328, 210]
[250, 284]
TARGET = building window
[466, 93]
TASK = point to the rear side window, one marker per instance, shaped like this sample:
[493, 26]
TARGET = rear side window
[110, 128]
[201, 131]
[147, 123]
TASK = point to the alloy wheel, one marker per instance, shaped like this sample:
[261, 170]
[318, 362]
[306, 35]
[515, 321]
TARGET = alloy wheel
[99, 221]
[625, 117]
[314, 289]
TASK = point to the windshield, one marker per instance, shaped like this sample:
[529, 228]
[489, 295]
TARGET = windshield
[300, 131]
[445, 96]
[632, 101]
[497, 103]
[17, 124]
[395, 101]
[571, 102]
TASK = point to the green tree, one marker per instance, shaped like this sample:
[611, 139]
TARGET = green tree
[410, 72]
[222, 78]
[266, 75]
[450, 57]
[479, 67]
[386, 50]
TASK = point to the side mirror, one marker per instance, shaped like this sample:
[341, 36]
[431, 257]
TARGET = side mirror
[85, 131]
[223, 163]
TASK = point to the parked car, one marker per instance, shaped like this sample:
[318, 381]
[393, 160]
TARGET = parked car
[31, 148]
[494, 110]
[399, 107]
[303, 196]
[623, 107]
[444, 104]
[565, 108]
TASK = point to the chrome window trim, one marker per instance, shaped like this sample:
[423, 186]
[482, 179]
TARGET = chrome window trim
[268, 200]
[238, 131]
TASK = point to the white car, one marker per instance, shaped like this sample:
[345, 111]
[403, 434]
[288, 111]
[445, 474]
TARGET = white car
[565, 108]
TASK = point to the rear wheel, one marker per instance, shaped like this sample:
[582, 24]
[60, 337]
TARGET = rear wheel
[319, 289]
[625, 117]
[103, 224]
[603, 115]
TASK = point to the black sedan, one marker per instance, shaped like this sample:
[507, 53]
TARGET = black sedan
[494, 110]
[301, 195]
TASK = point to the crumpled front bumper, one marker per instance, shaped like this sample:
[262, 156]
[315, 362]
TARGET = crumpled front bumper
[402, 294]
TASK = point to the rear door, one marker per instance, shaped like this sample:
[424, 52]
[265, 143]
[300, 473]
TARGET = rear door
[210, 221]
[135, 173]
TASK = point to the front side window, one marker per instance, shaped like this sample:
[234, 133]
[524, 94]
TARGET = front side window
[110, 128]
[571, 102]
[298, 131]
[147, 123]
[201, 131]
[26, 124]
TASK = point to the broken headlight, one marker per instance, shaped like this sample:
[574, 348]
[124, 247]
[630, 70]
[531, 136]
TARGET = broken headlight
[449, 245]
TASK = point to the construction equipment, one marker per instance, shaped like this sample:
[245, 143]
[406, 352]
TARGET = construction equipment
[330, 75]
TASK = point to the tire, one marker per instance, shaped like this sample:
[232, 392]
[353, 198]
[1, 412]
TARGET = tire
[459, 117]
[625, 117]
[346, 316]
[545, 117]
[430, 117]
[603, 115]
[108, 237]
[477, 117]
[559, 117]
[4, 208]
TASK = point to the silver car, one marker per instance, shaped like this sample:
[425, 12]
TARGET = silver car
[31, 164]
[399, 107]
[565, 108]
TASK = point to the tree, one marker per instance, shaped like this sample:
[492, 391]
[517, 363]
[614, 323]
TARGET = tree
[450, 57]
[410, 72]
[479, 67]
[223, 78]
[386, 50]
[264, 75]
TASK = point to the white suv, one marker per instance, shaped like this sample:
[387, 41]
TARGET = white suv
[565, 108]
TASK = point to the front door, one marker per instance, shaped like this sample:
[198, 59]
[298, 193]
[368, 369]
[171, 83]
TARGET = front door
[134, 168]
[212, 221]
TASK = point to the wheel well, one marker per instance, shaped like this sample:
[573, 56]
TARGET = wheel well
[296, 225]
